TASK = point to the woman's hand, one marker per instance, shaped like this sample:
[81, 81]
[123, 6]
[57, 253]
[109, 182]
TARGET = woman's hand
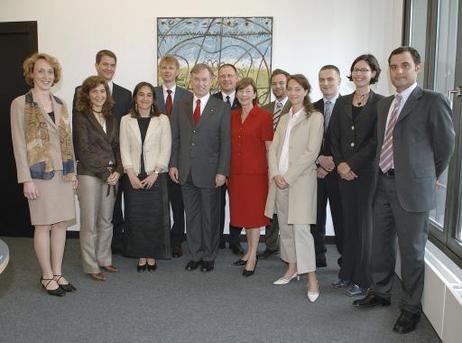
[345, 172]
[149, 181]
[75, 183]
[113, 178]
[134, 181]
[30, 190]
[281, 183]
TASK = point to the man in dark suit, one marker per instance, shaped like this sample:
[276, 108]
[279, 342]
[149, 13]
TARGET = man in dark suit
[167, 97]
[329, 83]
[105, 65]
[227, 79]
[415, 137]
[279, 107]
[201, 150]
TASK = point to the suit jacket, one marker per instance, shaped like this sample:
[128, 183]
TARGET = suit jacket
[423, 142]
[204, 149]
[305, 142]
[325, 147]
[270, 107]
[156, 147]
[18, 134]
[235, 104]
[121, 96]
[96, 148]
[180, 93]
[354, 140]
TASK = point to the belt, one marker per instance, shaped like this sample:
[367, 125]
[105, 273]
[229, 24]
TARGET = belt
[389, 173]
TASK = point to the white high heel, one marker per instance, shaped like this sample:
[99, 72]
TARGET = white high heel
[284, 281]
[313, 296]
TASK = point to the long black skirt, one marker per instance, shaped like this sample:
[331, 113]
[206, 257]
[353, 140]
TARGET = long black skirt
[147, 220]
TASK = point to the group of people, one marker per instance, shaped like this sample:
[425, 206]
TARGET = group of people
[374, 158]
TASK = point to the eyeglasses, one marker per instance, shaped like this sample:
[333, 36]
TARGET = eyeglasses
[361, 70]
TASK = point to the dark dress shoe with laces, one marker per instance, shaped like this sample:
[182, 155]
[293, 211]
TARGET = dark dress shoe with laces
[406, 322]
[207, 266]
[371, 300]
[267, 253]
[237, 249]
[239, 262]
[192, 265]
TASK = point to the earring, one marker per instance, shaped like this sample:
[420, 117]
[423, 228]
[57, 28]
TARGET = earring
[136, 107]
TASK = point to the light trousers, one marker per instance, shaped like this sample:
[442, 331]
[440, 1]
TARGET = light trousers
[296, 241]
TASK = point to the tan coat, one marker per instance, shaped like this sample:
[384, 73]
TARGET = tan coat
[305, 143]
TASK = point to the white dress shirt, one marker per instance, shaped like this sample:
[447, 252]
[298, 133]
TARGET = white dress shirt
[284, 160]
[203, 100]
[164, 88]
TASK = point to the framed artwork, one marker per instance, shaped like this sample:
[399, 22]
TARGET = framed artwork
[245, 42]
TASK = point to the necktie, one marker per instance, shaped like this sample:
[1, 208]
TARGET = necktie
[228, 101]
[327, 114]
[386, 154]
[197, 112]
[169, 103]
[277, 114]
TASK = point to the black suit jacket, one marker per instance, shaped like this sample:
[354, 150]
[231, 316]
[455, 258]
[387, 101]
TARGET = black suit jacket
[354, 140]
[122, 101]
[235, 104]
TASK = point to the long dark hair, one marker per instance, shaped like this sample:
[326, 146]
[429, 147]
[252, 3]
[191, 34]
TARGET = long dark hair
[83, 96]
[303, 81]
[154, 111]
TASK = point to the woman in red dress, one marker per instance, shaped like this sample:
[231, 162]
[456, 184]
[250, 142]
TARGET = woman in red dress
[251, 135]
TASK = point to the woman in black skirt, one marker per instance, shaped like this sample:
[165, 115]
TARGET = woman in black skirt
[145, 144]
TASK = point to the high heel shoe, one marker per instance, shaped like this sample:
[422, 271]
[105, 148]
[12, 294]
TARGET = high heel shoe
[152, 267]
[313, 296]
[68, 287]
[141, 267]
[59, 292]
[284, 281]
[247, 273]
[239, 262]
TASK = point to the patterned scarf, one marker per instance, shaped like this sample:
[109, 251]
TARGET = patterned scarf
[38, 142]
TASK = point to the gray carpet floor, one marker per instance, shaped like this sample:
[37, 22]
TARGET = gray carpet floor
[173, 305]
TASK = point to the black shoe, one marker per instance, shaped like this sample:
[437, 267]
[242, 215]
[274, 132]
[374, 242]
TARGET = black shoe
[59, 292]
[406, 322]
[371, 300]
[267, 253]
[207, 266]
[141, 267]
[152, 267]
[321, 262]
[237, 249]
[68, 287]
[177, 251]
[192, 265]
[247, 273]
[239, 262]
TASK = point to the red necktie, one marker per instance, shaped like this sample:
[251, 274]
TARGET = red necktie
[197, 112]
[169, 103]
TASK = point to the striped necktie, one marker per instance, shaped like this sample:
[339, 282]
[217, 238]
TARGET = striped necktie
[277, 114]
[386, 154]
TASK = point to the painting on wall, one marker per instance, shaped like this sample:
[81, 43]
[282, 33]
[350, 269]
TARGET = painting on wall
[245, 42]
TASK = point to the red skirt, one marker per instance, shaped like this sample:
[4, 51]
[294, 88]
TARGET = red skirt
[247, 200]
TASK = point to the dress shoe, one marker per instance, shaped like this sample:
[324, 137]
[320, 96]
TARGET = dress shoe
[177, 251]
[267, 253]
[110, 268]
[239, 262]
[313, 296]
[207, 266]
[98, 276]
[248, 273]
[354, 290]
[152, 267]
[237, 249]
[321, 262]
[284, 281]
[371, 300]
[340, 283]
[67, 287]
[141, 267]
[192, 265]
[59, 292]
[406, 322]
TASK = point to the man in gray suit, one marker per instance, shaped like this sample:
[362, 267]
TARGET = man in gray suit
[201, 150]
[415, 137]
[167, 97]
[279, 107]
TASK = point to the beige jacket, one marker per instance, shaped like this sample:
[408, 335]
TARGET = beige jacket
[304, 145]
[156, 148]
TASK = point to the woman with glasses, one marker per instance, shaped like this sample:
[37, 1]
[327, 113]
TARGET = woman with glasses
[353, 146]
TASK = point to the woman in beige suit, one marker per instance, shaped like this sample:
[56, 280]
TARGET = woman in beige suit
[293, 185]
[45, 163]
[145, 145]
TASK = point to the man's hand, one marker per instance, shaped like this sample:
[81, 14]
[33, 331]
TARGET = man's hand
[219, 180]
[173, 173]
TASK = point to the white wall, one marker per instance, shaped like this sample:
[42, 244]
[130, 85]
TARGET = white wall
[306, 33]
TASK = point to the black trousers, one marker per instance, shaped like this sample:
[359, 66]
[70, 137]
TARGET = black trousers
[176, 201]
[328, 189]
[234, 232]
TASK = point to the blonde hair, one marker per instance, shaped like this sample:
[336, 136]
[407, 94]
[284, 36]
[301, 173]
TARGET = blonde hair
[29, 63]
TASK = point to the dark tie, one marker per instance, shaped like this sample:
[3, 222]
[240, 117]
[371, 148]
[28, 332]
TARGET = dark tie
[386, 154]
[169, 103]
[228, 101]
[277, 114]
[197, 112]
[327, 114]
